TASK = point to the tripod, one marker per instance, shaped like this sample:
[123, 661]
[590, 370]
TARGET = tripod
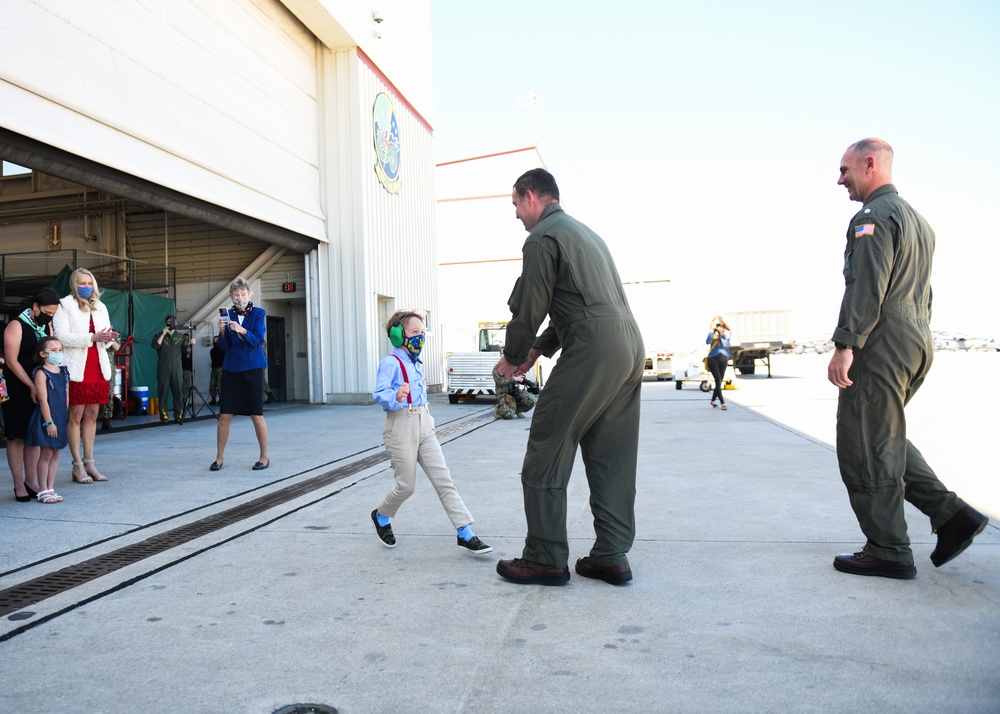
[189, 403]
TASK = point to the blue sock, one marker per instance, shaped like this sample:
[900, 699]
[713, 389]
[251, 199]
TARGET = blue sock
[465, 533]
[382, 520]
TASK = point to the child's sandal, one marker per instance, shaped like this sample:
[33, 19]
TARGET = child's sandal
[48, 496]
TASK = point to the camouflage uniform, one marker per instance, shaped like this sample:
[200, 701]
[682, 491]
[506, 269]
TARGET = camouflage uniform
[187, 371]
[108, 410]
[217, 354]
[513, 398]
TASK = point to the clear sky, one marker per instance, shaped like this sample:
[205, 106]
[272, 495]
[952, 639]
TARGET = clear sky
[702, 140]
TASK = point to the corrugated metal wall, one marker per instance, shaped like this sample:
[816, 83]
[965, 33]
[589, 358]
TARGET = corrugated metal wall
[200, 252]
[215, 99]
[401, 247]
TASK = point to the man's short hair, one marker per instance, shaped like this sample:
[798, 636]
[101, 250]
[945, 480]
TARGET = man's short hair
[540, 182]
[872, 145]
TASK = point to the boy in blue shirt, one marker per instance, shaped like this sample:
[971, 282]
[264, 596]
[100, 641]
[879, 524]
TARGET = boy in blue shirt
[401, 391]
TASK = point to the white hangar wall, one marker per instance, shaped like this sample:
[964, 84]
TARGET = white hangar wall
[262, 108]
[382, 253]
[216, 100]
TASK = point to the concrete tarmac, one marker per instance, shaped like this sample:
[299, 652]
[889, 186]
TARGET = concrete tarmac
[174, 589]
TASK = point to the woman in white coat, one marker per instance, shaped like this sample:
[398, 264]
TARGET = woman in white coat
[83, 326]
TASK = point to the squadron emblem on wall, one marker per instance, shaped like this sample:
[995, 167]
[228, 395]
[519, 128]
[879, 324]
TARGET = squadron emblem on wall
[386, 143]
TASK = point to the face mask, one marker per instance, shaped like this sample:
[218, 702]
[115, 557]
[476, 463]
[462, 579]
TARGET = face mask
[54, 358]
[240, 303]
[85, 291]
[414, 344]
[43, 318]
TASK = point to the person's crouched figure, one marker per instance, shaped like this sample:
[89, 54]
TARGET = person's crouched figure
[513, 397]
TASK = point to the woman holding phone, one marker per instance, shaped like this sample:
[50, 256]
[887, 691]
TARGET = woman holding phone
[718, 355]
[83, 326]
[241, 337]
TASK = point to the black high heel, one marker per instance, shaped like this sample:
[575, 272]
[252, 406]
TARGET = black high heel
[31, 492]
[22, 499]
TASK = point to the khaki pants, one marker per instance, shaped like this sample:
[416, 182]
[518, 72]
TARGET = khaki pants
[410, 440]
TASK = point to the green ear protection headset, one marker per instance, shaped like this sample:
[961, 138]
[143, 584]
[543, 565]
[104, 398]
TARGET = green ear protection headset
[396, 335]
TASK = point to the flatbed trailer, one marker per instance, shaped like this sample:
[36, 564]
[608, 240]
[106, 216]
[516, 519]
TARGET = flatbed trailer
[756, 335]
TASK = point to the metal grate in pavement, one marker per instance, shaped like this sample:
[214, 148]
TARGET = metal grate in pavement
[45, 586]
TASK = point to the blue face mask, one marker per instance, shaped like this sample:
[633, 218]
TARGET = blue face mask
[85, 291]
[54, 358]
[414, 344]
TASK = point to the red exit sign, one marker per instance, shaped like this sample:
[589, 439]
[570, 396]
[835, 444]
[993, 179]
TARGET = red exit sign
[288, 287]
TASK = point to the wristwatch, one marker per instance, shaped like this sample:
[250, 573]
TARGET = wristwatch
[842, 346]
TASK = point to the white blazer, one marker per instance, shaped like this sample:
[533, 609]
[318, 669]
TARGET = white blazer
[72, 326]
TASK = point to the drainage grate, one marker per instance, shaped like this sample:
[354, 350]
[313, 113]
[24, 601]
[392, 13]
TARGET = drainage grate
[45, 586]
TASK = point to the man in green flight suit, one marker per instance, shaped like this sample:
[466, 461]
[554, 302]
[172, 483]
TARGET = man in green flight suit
[883, 353]
[169, 344]
[591, 398]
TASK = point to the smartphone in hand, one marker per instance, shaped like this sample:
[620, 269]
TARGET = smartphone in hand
[224, 315]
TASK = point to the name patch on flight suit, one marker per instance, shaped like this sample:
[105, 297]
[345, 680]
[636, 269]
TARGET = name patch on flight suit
[865, 229]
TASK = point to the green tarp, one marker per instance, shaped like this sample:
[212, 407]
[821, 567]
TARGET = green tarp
[148, 312]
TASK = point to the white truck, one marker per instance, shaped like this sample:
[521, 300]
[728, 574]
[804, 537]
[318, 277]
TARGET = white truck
[470, 374]
[650, 304]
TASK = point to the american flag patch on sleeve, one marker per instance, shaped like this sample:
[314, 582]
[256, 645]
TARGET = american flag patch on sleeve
[865, 229]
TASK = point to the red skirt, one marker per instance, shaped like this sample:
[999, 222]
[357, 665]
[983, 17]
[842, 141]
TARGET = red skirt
[94, 388]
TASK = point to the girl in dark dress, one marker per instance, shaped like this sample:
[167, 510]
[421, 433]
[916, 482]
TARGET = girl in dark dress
[47, 428]
[19, 340]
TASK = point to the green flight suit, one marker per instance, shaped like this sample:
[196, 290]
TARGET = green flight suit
[168, 370]
[885, 317]
[591, 399]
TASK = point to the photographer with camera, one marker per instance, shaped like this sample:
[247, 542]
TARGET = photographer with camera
[169, 345]
[718, 355]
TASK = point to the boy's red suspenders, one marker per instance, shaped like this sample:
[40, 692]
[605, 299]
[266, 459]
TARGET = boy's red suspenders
[409, 399]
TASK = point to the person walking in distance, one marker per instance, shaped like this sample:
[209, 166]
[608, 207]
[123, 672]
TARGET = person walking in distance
[718, 356]
[592, 395]
[883, 353]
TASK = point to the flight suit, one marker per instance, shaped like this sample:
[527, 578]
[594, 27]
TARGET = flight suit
[168, 371]
[885, 317]
[591, 398]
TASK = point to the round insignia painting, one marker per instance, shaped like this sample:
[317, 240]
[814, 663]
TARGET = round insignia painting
[386, 143]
